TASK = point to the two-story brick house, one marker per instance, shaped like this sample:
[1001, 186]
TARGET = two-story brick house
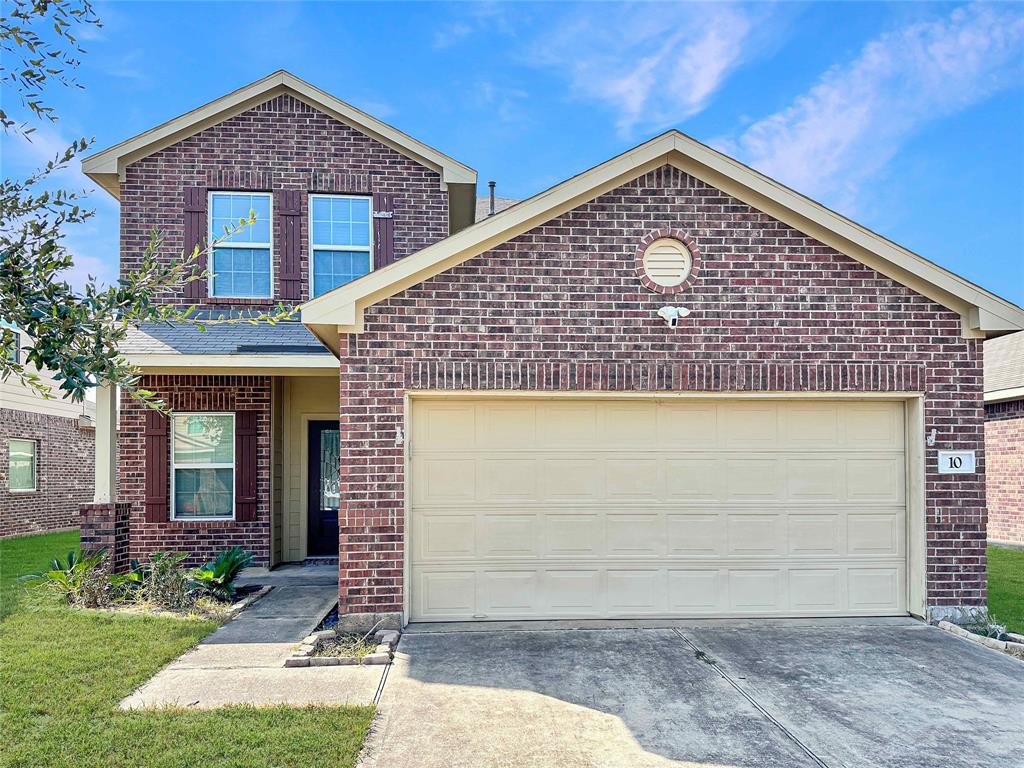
[668, 386]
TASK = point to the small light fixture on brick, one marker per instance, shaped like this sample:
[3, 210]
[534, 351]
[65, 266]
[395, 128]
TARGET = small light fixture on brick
[667, 260]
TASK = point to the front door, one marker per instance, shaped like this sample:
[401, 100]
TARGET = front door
[324, 469]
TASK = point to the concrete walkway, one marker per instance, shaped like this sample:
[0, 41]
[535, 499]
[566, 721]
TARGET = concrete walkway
[242, 662]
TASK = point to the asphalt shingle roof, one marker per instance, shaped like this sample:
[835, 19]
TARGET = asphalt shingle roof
[284, 338]
[483, 205]
[1004, 362]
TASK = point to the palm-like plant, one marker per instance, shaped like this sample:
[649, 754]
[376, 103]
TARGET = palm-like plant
[68, 577]
[217, 577]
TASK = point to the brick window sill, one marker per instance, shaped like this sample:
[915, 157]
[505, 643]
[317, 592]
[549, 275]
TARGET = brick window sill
[241, 302]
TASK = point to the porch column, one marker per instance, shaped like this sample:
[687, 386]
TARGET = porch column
[105, 491]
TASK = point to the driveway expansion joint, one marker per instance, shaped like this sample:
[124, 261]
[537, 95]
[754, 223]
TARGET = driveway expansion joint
[704, 656]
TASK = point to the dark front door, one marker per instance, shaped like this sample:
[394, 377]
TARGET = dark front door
[324, 468]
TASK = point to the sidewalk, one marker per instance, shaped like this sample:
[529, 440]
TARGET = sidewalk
[242, 662]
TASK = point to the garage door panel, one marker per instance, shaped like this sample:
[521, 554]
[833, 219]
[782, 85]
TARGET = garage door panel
[753, 535]
[508, 477]
[875, 479]
[696, 535]
[816, 534]
[652, 507]
[875, 534]
[510, 535]
[686, 425]
[573, 592]
[815, 590]
[580, 535]
[572, 478]
[636, 592]
[635, 535]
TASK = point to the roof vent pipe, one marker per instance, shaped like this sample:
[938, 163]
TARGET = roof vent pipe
[490, 209]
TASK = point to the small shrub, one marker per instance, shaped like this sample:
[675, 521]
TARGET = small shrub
[162, 582]
[217, 577]
[80, 579]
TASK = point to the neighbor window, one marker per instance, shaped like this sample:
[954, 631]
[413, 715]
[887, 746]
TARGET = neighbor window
[339, 235]
[203, 482]
[10, 338]
[241, 262]
[21, 463]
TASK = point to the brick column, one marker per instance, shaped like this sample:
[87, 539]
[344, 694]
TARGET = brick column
[105, 527]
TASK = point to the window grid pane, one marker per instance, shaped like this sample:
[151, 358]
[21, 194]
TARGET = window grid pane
[334, 268]
[204, 438]
[21, 465]
[340, 221]
[227, 208]
[203, 492]
[241, 272]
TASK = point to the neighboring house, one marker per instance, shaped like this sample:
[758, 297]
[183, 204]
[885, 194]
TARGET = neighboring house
[46, 471]
[1004, 438]
[668, 386]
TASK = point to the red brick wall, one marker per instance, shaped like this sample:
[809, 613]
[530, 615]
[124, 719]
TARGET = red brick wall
[281, 144]
[561, 308]
[64, 455]
[200, 538]
[1004, 448]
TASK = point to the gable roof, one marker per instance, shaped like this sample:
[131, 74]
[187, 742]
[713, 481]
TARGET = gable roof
[982, 313]
[106, 168]
[1004, 368]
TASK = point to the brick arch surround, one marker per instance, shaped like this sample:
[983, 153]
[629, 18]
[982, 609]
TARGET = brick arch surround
[560, 308]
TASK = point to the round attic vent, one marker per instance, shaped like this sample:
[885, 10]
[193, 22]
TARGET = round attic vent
[667, 262]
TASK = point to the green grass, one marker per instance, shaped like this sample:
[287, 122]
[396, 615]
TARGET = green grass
[64, 670]
[1006, 587]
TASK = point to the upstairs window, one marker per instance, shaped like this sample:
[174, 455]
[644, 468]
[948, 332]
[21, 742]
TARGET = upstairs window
[339, 234]
[241, 263]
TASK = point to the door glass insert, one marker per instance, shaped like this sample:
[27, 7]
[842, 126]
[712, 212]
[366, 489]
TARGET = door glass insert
[329, 469]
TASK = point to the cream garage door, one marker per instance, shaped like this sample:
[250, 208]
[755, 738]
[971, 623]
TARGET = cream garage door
[530, 508]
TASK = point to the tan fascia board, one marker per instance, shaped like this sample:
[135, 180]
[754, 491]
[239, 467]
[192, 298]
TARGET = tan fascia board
[981, 312]
[254, 364]
[1003, 395]
[107, 167]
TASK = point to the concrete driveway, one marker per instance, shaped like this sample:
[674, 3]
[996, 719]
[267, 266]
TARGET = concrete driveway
[892, 693]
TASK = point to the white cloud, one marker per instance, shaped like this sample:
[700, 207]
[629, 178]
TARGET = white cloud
[450, 34]
[655, 64]
[848, 126]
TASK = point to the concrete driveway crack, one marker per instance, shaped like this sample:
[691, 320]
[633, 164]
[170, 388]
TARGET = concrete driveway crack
[710, 661]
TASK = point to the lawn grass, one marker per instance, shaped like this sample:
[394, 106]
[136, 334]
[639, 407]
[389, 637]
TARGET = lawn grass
[27, 554]
[1006, 587]
[64, 670]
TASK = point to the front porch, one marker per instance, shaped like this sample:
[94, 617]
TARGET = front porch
[278, 492]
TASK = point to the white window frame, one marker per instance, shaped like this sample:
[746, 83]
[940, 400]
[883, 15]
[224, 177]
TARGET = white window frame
[229, 244]
[35, 465]
[314, 247]
[192, 465]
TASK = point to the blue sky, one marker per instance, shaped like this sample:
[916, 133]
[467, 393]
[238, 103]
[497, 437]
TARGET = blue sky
[909, 118]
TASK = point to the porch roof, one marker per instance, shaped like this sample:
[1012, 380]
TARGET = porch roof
[284, 338]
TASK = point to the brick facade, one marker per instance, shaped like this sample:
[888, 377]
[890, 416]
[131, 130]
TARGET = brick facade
[200, 538]
[280, 144]
[1004, 447]
[562, 308]
[65, 453]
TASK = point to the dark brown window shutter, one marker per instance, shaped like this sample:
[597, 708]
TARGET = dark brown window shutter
[245, 465]
[383, 229]
[288, 208]
[195, 234]
[156, 440]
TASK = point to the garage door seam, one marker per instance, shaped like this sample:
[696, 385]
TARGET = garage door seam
[709, 660]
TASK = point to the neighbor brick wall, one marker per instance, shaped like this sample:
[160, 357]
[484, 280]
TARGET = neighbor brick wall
[65, 456]
[561, 308]
[280, 144]
[200, 538]
[1004, 448]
